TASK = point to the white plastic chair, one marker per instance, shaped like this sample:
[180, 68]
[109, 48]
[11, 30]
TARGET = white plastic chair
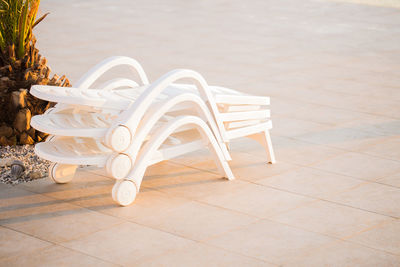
[90, 118]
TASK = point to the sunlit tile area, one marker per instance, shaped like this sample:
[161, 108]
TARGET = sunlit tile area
[331, 69]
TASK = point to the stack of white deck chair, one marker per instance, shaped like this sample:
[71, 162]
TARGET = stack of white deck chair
[125, 126]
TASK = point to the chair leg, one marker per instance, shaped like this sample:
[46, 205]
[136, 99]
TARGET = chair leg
[222, 163]
[265, 140]
[268, 148]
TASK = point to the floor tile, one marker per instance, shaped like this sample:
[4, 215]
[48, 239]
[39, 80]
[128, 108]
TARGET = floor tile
[289, 150]
[379, 125]
[244, 166]
[347, 138]
[359, 166]
[373, 197]
[148, 204]
[196, 221]
[306, 154]
[256, 200]
[251, 168]
[182, 181]
[311, 182]
[385, 237]
[203, 255]
[84, 181]
[127, 244]
[54, 256]
[317, 217]
[15, 243]
[393, 180]
[270, 241]
[15, 196]
[31, 208]
[289, 127]
[62, 225]
[389, 149]
[342, 253]
[325, 114]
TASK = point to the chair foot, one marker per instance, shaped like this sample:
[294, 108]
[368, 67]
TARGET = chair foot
[62, 173]
[124, 192]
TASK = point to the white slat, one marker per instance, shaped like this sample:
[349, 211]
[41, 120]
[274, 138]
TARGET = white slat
[176, 151]
[242, 99]
[246, 115]
[245, 131]
[237, 124]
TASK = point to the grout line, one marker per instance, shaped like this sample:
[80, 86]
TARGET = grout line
[333, 202]
[341, 108]
[46, 247]
[311, 166]
[187, 238]
[343, 239]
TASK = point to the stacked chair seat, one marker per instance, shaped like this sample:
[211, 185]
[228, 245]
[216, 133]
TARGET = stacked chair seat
[125, 126]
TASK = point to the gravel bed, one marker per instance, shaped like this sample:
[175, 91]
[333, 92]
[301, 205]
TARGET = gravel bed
[35, 167]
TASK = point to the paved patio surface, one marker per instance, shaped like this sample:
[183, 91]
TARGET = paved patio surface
[332, 70]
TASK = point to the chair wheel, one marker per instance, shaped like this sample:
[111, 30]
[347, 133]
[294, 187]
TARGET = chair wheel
[119, 166]
[62, 173]
[124, 192]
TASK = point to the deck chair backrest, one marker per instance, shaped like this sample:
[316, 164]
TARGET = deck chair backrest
[98, 70]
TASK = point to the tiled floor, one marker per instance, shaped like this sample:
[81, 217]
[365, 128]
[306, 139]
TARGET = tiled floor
[331, 69]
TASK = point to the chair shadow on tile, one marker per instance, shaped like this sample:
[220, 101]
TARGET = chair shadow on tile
[37, 211]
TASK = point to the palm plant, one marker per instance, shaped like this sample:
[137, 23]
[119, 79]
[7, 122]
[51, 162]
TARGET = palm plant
[21, 66]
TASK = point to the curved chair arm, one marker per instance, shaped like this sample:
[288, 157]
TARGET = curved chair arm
[98, 70]
[152, 117]
[137, 173]
[121, 133]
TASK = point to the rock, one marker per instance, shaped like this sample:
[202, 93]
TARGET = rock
[5, 162]
[31, 132]
[18, 98]
[6, 131]
[25, 139]
[17, 168]
[3, 141]
[22, 120]
[32, 163]
[36, 175]
[12, 141]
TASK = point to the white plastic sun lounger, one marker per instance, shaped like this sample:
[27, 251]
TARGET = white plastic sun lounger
[232, 115]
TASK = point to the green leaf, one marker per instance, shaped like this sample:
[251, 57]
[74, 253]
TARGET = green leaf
[22, 30]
